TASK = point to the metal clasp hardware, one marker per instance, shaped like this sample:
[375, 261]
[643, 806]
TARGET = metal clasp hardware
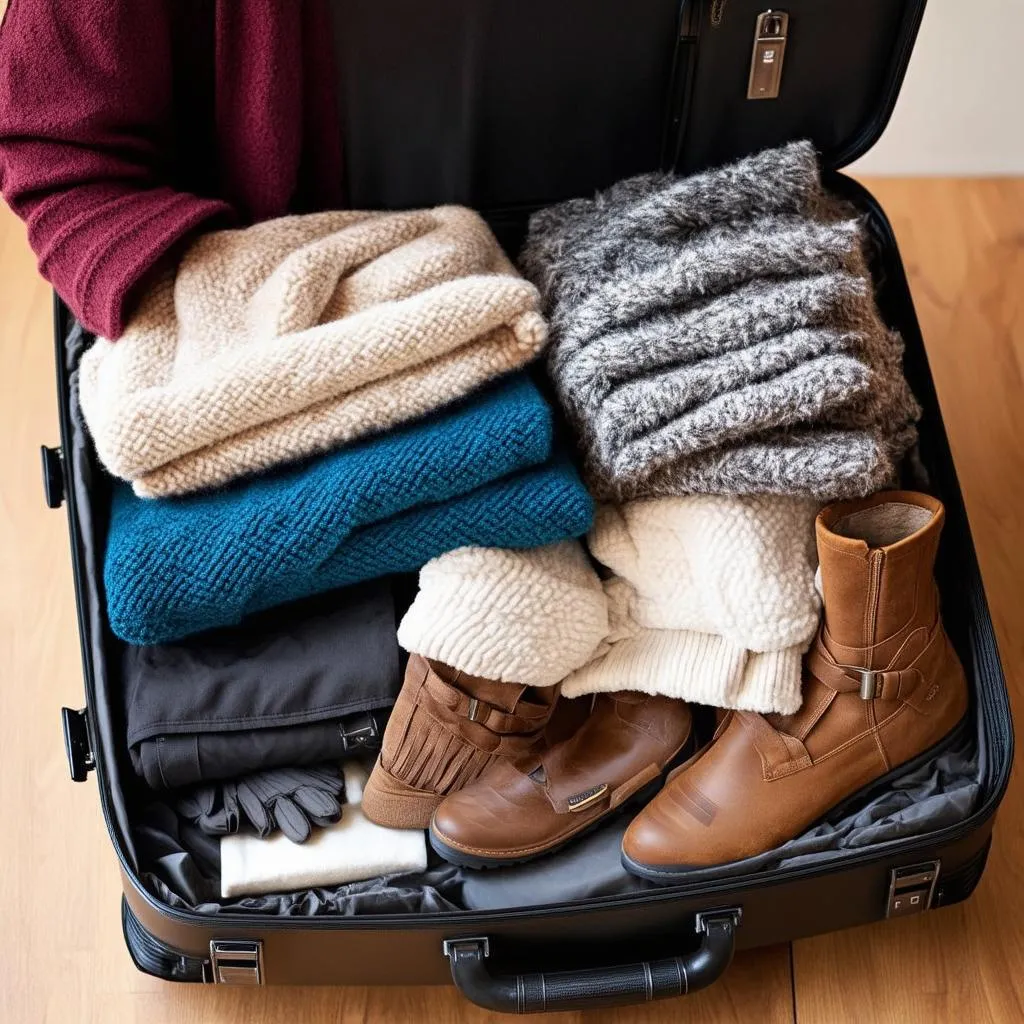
[706, 918]
[868, 685]
[912, 889]
[478, 944]
[235, 962]
[769, 50]
[358, 737]
[77, 744]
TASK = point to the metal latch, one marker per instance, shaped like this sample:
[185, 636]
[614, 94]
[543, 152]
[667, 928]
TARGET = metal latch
[77, 746]
[360, 733]
[235, 962]
[912, 889]
[478, 944]
[53, 476]
[769, 50]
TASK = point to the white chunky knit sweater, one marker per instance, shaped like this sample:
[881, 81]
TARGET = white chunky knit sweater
[712, 600]
[297, 335]
[526, 617]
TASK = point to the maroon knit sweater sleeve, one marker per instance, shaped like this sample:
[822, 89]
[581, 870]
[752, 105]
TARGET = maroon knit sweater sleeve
[85, 111]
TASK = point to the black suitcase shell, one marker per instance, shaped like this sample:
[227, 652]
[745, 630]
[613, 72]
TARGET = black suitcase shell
[843, 66]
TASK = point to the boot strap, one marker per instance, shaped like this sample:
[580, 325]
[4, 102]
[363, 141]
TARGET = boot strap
[872, 684]
[492, 718]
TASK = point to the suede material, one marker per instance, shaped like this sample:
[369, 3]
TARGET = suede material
[446, 729]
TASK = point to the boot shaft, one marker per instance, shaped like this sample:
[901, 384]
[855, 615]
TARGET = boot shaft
[877, 560]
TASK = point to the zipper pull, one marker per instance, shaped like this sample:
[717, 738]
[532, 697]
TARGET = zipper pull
[769, 51]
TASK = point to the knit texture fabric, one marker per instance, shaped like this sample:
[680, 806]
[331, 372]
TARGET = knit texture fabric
[528, 617]
[712, 600]
[478, 474]
[300, 334]
[719, 334]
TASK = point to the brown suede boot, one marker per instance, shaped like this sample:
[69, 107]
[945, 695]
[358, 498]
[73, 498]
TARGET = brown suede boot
[518, 810]
[883, 688]
[445, 729]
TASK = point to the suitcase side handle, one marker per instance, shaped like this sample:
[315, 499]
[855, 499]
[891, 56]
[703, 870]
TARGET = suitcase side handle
[600, 986]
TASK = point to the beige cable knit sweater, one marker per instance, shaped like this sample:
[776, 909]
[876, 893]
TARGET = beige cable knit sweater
[300, 334]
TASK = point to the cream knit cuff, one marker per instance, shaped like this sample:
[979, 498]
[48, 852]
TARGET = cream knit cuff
[528, 617]
[698, 667]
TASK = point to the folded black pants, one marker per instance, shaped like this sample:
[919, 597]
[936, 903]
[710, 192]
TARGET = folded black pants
[300, 684]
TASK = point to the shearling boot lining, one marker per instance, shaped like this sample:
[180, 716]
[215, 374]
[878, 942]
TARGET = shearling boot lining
[884, 524]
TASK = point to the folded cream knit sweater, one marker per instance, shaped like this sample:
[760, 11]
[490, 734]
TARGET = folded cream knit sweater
[297, 335]
[712, 600]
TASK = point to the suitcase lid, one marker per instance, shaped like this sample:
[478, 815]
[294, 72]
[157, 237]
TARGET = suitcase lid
[510, 106]
[837, 64]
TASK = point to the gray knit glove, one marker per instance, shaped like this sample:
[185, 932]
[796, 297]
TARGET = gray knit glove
[290, 799]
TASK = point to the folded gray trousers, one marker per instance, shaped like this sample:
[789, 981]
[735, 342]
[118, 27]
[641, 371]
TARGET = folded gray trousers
[719, 334]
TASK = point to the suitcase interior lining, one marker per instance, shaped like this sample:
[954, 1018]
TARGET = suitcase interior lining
[176, 867]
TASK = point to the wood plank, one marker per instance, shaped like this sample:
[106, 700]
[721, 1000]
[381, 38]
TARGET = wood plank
[964, 246]
[62, 957]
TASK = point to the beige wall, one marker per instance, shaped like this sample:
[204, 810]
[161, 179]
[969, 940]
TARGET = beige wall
[961, 110]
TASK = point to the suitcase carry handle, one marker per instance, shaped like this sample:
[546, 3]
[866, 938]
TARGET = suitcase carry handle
[599, 986]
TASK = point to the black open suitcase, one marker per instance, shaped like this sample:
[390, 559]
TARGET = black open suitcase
[623, 88]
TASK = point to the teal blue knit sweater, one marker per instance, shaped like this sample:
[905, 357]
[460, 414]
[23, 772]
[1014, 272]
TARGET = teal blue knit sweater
[476, 474]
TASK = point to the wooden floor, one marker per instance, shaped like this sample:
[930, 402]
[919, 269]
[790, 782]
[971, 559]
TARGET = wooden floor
[62, 958]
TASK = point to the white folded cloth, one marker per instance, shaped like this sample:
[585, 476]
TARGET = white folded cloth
[350, 851]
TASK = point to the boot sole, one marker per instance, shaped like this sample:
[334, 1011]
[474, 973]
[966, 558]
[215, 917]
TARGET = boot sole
[677, 873]
[642, 796]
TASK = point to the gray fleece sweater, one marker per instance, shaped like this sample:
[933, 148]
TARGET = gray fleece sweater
[718, 333]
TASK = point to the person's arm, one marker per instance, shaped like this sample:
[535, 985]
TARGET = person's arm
[85, 118]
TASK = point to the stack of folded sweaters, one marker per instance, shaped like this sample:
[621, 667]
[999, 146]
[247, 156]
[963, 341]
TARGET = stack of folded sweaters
[307, 405]
[718, 334]
[341, 339]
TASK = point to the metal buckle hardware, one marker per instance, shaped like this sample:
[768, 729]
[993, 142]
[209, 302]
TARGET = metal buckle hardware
[236, 962]
[356, 737]
[478, 710]
[869, 687]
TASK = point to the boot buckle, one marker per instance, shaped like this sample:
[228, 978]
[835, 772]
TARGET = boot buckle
[477, 710]
[869, 688]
